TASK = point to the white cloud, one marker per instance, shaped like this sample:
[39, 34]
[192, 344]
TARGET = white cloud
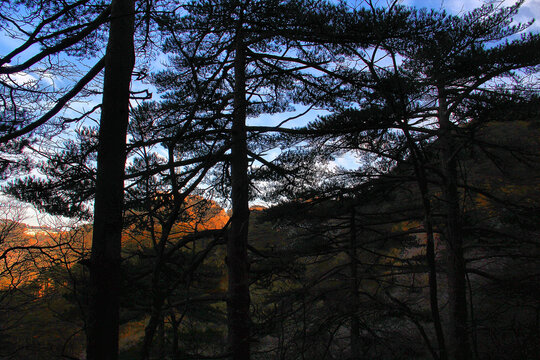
[530, 7]
[20, 79]
[529, 10]
[348, 161]
[460, 6]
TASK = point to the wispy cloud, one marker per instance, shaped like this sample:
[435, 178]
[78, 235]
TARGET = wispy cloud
[529, 10]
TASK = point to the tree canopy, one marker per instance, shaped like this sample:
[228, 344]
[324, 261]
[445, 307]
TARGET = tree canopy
[395, 150]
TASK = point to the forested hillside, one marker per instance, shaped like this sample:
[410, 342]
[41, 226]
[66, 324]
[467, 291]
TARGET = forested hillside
[244, 179]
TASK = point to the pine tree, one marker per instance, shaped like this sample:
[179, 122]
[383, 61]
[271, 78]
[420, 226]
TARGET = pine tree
[437, 71]
[103, 310]
[255, 61]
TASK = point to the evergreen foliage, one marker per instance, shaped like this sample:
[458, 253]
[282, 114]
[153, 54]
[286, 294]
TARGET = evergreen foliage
[424, 245]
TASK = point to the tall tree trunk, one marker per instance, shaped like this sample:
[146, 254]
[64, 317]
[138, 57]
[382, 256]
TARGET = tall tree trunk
[237, 262]
[354, 283]
[432, 275]
[421, 179]
[459, 347]
[103, 310]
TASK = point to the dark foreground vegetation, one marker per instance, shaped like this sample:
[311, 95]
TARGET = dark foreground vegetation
[396, 152]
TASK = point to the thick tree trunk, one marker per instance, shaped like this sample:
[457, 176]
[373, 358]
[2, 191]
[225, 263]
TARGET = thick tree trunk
[103, 307]
[354, 283]
[459, 348]
[237, 262]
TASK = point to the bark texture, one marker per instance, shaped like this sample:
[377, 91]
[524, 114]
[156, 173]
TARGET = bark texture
[237, 262]
[103, 307]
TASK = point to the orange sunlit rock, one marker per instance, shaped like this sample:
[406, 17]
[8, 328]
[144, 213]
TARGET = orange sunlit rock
[257, 208]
